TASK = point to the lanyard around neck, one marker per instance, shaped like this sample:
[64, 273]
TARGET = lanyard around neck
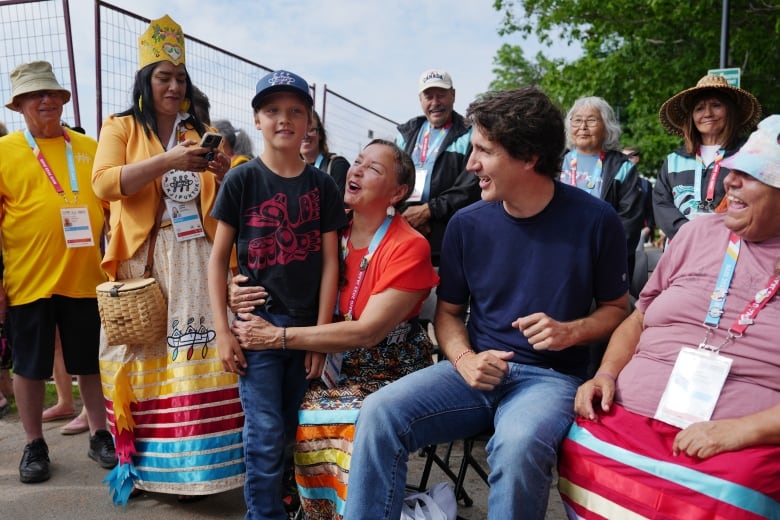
[712, 180]
[436, 144]
[594, 176]
[717, 300]
[718, 297]
[379, 234]
[74, 182]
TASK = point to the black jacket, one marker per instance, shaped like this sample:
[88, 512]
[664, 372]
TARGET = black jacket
[625, 196]
[673, 194]
[452, 187]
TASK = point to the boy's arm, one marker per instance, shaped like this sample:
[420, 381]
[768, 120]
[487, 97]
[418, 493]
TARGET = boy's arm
[328, 291]
[229, 350]
[329, 283]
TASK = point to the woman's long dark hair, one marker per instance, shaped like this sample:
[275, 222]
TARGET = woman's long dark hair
[143, 109]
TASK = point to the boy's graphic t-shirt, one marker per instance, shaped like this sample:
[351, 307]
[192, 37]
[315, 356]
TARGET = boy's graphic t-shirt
[279, 225]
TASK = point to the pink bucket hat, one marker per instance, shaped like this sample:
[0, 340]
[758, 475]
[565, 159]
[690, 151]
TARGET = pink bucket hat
[759, 157]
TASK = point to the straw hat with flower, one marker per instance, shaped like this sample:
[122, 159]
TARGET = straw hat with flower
[677, 109]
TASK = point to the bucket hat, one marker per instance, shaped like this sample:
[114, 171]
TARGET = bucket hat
[677, 109]
[759, 157]
[33, 77]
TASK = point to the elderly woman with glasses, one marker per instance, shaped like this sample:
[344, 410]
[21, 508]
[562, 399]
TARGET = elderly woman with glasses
[596, 164]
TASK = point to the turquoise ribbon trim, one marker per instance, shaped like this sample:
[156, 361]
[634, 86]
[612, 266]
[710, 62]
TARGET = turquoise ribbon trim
[150, 460]
[191, 476]
[189, 445]
[121, 481]
[327, 416]
[714, 487]
[320, 493]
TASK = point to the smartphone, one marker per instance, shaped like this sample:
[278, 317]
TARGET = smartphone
[210, 140]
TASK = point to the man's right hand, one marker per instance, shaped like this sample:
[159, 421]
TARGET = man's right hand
[484, 370]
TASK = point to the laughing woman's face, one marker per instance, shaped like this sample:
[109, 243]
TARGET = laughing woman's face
[753, 207]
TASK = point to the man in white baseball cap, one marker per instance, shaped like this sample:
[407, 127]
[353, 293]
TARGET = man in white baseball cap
[439, 142]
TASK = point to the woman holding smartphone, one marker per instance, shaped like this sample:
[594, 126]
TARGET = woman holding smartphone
[174, 412]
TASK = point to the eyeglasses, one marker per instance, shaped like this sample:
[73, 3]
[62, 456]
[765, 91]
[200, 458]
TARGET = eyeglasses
[312, 132]
[38, 95]
[590, 122]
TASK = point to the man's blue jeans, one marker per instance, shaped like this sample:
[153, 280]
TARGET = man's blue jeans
[271, 393]
[531, 411]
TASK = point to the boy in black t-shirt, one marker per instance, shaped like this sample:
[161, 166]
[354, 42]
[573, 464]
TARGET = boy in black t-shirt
[283, 216]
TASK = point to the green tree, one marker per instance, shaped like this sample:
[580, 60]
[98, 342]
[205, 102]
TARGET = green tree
[636, 54]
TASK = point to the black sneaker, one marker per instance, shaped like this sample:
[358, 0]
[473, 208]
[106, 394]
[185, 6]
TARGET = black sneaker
[34, 466]
[101, 449]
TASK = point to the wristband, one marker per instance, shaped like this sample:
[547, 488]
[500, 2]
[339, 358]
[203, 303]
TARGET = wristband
[460, 356]
[284, 338]
[605, 374]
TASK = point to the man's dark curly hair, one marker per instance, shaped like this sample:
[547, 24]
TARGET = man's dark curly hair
[526, 123]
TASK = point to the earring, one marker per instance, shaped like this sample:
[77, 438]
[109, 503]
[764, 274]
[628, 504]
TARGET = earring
[185, 105]
[391, 211]
[140, 103]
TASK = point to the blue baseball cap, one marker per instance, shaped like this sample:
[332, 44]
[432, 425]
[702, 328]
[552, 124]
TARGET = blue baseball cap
[281, 81]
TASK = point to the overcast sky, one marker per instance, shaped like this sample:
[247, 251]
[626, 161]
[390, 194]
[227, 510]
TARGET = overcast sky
[369, 51]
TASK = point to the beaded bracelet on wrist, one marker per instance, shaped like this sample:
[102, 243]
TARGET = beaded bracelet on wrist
[460, 356]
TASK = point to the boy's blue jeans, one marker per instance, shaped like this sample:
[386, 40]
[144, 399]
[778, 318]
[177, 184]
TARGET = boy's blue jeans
[271, 393]
[531, 411]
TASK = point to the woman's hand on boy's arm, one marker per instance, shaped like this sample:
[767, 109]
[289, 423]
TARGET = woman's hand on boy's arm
[244, 298]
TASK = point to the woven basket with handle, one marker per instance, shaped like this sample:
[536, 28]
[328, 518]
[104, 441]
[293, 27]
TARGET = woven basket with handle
[132, 311]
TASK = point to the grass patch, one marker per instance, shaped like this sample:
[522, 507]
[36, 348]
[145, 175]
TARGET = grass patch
[50, 398]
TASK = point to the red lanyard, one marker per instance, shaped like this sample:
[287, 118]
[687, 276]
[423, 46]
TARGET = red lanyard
[713, 175]
[74, 182]
[759, 301]
[427, 137]
[379, 234]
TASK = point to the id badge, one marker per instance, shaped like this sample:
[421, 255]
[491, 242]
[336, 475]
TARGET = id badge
[332, 369]
[693, 388]
[185, 219]
[77, 227]
[419, 185]
[699, 211]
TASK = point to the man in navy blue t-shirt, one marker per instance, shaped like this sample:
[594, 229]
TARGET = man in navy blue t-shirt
[541, 266]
